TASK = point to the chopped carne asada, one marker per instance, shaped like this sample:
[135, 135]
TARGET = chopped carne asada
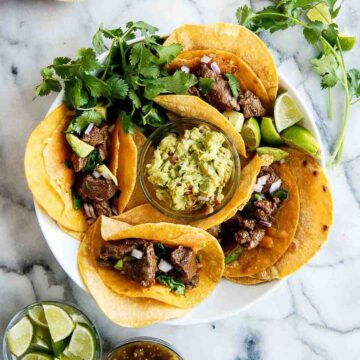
[251, 105]
[147, 262]
[248, 227]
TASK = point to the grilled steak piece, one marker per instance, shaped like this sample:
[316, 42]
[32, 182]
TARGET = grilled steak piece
[220, 94]
[102, 208]
[268, 170]
[194, 91]
[90, 188]
[264, 210]
[249, 239]
[184, 261]
[142, 271]
[78, 162]
[113, 251]
[98, 137]
[215, 231]
[251, 105]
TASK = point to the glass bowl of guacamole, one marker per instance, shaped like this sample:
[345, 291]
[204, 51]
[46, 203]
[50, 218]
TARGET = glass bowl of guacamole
[144, 348]
[188, 169]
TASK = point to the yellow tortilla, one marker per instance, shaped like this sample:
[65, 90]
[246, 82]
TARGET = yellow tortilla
[137, 197]
[282, 232]
[228, 63]
[316, 215]
[192, 106]
[122, 310]
[246, 280]
[171, 235]
[233, 38]
[147, 214]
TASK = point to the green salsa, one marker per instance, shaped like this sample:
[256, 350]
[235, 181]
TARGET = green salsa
[191, 171]
[143, 350]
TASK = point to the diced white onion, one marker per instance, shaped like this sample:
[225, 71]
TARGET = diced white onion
[164, 266]
[185, 69]
[89, 128]
[96, 174]
[262, 180]
[203, 198]
[215, 67]
[205, 59]
[92, 212]
[258, 188]
[86, 209]
[111, 128]
[275, 186]
[137, 254]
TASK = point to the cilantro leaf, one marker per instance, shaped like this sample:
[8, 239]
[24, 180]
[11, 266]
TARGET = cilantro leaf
[313, 31]
[142, 26]
[234, 85]
[205, 85]
[93, 160]
[152, 115]
[80, 123]
[96, 86]
[353, 77]
[329, 80]
[168, 53]
[175, 286]
[152, 71]
[77, 200]
[118, 87]
[326, 64]
[87, 59]
[127, 124]
[47, 86]
[98, 42]
[234, 255]
[244, 15]
[133, 96]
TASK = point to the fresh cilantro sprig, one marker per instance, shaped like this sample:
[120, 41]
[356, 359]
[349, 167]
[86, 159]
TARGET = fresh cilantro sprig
[323, 34]
[131, 76]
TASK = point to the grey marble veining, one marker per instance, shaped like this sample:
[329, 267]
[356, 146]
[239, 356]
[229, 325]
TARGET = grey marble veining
[314, 315]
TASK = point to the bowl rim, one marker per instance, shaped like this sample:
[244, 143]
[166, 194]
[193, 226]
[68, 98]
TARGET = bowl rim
[46, 223]
[141, 171]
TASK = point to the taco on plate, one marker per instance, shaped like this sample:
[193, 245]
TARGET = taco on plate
[76, 167]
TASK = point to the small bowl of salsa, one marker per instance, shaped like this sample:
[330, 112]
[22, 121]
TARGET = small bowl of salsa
[144, 348]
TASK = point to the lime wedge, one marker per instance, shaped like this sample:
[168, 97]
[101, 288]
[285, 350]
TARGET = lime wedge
[67, 355]
[251, 134]
[59, 322]
[276, 153]
[286, 112]
[236, 118]
[269, 133]
[347, 42]
[59, 346]
[41, 339]
[37, 315]
[82, 342]
[320, 12]
[19, 336]
[37, 356]
[302, 139]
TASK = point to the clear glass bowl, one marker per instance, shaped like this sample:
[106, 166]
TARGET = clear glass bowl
[178, 127]
[111, 355]
[65, 305]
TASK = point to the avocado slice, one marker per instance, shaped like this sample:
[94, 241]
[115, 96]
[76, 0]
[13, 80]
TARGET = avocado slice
[80, 148]
[102, 110]
[106, 173]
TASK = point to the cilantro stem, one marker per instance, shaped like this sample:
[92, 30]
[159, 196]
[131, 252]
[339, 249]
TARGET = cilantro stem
[355, 101]
[330, 109]
[108, 60]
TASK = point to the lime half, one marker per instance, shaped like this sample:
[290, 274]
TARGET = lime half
[268, 132]
[276, 153]
[320, 12]
[59, 322]
[286, 112]
[302, 139]
[82, 343]
[251, 134]
[37, 356]
[19, 336]
[37, 315]
[347, 42]
[236, 118]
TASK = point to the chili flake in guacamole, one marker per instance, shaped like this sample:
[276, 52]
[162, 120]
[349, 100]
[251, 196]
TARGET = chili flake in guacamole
[190, 171]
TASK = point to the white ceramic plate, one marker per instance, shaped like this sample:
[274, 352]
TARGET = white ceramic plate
[228, 298]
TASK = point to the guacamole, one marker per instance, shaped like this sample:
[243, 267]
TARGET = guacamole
[190, 171]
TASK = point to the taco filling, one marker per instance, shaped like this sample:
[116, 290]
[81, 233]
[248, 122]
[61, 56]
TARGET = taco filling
[223, 90]
[247, 229]
[148, 263]
[95, 188]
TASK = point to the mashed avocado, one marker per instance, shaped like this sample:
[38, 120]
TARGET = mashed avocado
[190, 171]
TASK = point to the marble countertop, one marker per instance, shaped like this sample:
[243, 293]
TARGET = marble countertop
[314, 315]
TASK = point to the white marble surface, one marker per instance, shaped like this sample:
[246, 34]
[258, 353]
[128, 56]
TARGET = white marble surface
[314, 315]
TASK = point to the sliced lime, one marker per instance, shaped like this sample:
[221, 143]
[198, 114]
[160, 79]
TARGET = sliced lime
[302, 139]
[37, 356]
[236, 118]
[59, 322]
[320, 12]
[67, 355]
[268, 132]
[59, 346]
[276, 153]
[37, 315]
[41, 339]
[82, 342]
[347, 42]
[19, 336]
[251, 134]
[286, 112]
